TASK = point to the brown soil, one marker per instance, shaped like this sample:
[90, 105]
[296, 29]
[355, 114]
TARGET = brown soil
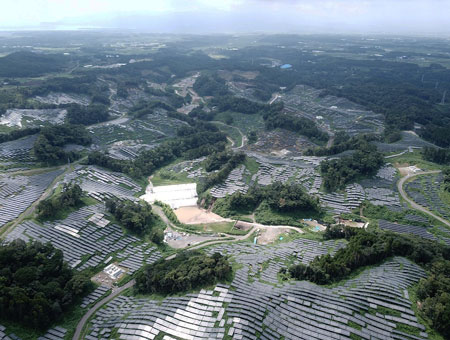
[195, 215]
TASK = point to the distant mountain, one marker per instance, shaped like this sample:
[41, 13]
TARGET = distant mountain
[30, 64]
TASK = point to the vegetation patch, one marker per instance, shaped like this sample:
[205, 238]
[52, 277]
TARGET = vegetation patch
[188, 270]
[37, 287]
[58, 206]
[275, 204]
[49, 144]
[337, 173]
[138, 218]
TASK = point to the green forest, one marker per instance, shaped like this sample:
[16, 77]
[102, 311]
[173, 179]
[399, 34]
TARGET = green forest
[365, 161]
[36, 285]
[69, 197]
[188, 270]
[283, 198]
[29, 64]
[49, 145]
[137, 217]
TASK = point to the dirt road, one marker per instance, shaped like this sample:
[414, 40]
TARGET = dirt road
[244, 138]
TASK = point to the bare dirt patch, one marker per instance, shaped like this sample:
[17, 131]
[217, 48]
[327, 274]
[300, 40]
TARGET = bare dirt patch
[250, 75]
[315, 226]
[195, 215]
[353, 223]
[270, 235]
[406, 169]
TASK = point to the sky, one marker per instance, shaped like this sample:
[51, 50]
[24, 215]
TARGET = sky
[232, 16]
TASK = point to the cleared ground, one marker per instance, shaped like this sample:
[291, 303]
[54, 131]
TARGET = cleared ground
[195, 215]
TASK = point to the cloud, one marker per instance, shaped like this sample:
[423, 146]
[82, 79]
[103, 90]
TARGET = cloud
[394, 16]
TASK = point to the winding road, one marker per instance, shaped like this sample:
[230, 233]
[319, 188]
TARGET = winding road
[411, 202]
[97, 306]
[130, 284]
[84, 320]
[244, 138]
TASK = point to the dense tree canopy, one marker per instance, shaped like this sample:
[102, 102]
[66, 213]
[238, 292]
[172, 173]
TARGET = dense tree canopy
[36, 285]
[87, 115]
[280, 197]
[342, 142]
[210, 86]
[16, 134]
[69, 197]
[29, 64]
[434, 293]
[302, 126]
[81, 85]
[365, 161]
[237, 104]
[137, 217]
[188, 270]
[48, 146]
[446, 183]
[217, 160]
[437, 155]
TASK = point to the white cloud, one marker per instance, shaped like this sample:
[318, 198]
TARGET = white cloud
[378, 15]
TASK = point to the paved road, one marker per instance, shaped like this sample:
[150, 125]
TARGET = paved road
[414, 204]
[234, 239]
[117, 292]
[159, 211]
[275, 96]
[93, 309]
[397, 154]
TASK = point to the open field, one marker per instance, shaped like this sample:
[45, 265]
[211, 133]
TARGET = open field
[194, 215]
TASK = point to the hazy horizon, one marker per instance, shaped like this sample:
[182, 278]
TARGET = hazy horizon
[416, 17]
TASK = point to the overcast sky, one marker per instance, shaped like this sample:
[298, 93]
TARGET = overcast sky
[228, 16]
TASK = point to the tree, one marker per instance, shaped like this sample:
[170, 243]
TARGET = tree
[252, 137]
[48, 146]
[157, 236]
[365, 161]
[188, 270]
[36, 285]
[137, 217]
[70, 197]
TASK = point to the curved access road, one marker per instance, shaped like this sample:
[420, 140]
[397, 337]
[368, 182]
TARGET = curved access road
[244, 137]
[414, 204]
[82, 324]
[235, 238]
[208, 243]
[97, 306]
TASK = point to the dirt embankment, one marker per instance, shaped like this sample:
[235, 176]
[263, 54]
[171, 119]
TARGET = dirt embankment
[195, 215]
